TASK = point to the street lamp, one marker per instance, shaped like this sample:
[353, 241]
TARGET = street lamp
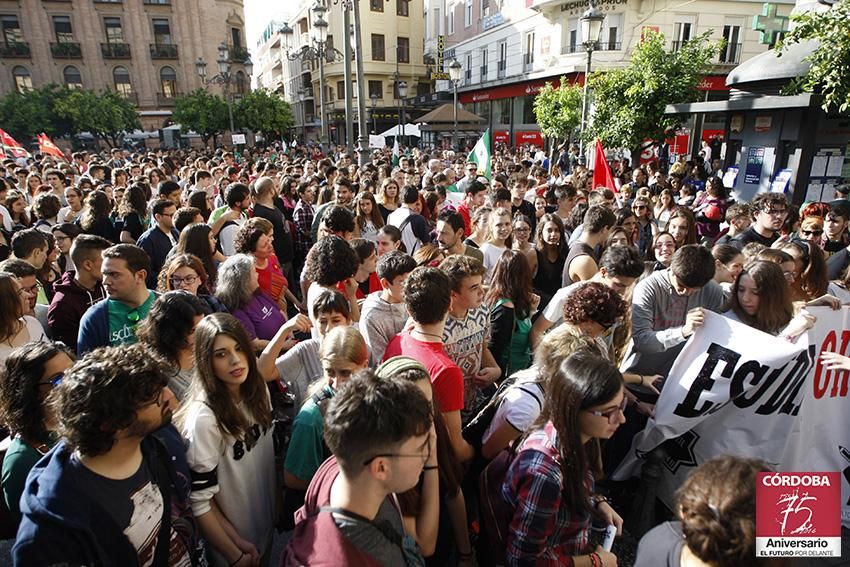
[401, 89]
[225, 76]
[455, 72]
[317, 51]
[591, 29]
[374, 99]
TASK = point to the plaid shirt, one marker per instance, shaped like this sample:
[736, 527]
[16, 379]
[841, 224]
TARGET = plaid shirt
[302, 216]
[542, 531]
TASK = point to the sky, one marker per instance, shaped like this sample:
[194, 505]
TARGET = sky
[258, 13]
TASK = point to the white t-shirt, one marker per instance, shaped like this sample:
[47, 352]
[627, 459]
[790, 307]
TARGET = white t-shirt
[227, 236]
[492, 253]
[6, 218]
[239, 474]
[521, 405]
[32, 330]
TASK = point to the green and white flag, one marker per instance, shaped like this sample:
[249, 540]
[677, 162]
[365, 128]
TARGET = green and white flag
[480, 155]
[396, 153]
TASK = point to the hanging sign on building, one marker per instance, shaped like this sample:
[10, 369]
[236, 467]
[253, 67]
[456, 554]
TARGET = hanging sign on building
[439, 73]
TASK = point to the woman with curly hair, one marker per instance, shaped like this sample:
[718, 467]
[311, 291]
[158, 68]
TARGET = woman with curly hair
[95, 219]
[255, 238]
[227, 420]
[512, 302]
[239, 290]
[197, 239]
[717, 507]
[29, 376]
[169, 331]
[45, 210]
[367, 219]
[185, 272]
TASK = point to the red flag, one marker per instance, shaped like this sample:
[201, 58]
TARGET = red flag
[11, 147]
[46, 146]
[602, 176]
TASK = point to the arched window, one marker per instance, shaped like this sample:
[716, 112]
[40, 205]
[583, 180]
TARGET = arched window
[72, 78]
[168, 82]
[240, 83]
[121, 78]
[23, 79]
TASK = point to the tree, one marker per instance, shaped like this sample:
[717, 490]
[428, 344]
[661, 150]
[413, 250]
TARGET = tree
[829, 73]
[558, 109]
[264, 111]
[26, 114]
[202, 112]
[107, 115]
[630, 101]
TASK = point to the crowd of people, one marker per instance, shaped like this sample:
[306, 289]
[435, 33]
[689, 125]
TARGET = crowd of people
[396, 363]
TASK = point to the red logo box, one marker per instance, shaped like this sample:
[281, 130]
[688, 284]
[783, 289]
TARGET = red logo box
[798, 514]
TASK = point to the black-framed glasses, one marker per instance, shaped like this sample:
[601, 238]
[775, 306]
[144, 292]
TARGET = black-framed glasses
[53, 381]
[188, 280]
[427, 455]
[611, 414]
[811, 232]
[775, 212]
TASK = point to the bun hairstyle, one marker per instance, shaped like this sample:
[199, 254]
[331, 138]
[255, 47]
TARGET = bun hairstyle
[717, 505]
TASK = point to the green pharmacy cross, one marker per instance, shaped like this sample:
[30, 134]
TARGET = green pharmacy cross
[769, 24]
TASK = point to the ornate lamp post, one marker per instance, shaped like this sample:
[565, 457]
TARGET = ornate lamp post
[591, 28]
[225, 76]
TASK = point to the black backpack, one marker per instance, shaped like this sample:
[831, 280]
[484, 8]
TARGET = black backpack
[474, 431]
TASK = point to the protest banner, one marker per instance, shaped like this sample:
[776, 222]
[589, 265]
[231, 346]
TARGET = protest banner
[732, 390]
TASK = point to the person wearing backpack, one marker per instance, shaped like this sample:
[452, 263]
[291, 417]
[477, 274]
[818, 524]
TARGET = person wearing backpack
[547, 491]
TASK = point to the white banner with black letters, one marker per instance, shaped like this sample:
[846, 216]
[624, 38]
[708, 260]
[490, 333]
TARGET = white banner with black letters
[735, 390]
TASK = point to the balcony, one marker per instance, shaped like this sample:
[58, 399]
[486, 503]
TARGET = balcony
[157, 2]
[166, 99]
[527, 62]
[238, 54]
[501, 68]
[731, 54]
[163, 51]
[14, 49]
[115, 50]
[483, 73]
[600, 46]
[66, 50]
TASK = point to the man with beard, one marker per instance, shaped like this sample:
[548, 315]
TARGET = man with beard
[114, 490]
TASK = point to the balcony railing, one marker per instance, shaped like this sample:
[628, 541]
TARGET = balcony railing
[600, 46]
[731, 55]
[115, 50]
[484, 72]
[238, 54]
[166, 99]
[527, 61]
[15, 49]
[500, 69]
[163, 51]
[66, 50]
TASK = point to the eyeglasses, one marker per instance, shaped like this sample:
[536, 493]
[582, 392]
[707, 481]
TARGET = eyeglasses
[639, 207]
[612, 414]
[790, 276]
[53, 381]
[811, 232]
[32, 290]
[427, 455]
[520, 229]
[775, 212]
[188, 280]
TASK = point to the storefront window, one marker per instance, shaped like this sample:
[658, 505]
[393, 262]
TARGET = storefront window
[482, 109]
[524, 110]
[502, 111]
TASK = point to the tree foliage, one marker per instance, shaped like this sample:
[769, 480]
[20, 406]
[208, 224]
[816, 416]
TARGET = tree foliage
[265, 111]
[26, 114]
[630, 101]
[106, 115]
[558, 109]
[829, 73]
[202, 112]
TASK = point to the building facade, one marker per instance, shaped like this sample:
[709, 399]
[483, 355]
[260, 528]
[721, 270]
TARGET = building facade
[392, 37]
[509, 49]
[145, 49]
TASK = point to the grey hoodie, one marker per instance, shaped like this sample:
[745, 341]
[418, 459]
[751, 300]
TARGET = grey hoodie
[380, 321]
